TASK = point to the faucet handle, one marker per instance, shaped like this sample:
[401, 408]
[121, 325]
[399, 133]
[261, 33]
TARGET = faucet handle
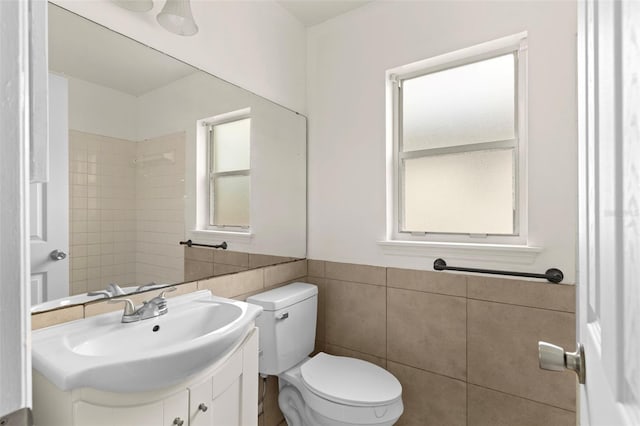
[144, 286]
[129, 307]
[166, 290]
[115, 290]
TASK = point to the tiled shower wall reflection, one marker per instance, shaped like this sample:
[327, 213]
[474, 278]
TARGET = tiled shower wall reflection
[160, 209]
[464, 347]
[102, 211]
[123, 215]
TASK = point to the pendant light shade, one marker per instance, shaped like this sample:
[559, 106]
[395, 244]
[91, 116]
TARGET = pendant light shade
[177, 18]
[135, 5]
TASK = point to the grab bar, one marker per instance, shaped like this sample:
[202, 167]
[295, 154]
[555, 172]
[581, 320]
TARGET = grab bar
[553, 275]
[190, 243]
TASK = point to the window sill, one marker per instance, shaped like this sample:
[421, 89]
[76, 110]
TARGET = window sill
[503, 253]
[216, 237]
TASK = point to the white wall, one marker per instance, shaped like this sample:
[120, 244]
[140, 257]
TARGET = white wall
[278, 167]
[102, 111]
[254, 44]
[347, 60]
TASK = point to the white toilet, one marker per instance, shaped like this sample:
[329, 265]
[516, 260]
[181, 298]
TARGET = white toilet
[323, 390]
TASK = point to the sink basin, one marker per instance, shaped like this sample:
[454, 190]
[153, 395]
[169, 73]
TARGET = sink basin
[103, 353]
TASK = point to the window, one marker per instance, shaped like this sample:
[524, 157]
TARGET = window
[458, 124]
[229, 146]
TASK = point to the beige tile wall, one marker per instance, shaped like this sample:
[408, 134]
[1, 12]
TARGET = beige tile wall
[202, 262]
[160, 210]
[238, 286]
[126, 219]
[102, 211]
[464, 347]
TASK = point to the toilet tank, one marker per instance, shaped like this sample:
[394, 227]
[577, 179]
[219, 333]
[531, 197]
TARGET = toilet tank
[287, 326]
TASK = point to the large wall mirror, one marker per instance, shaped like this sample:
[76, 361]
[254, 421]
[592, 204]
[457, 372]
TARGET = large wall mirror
[148, 151]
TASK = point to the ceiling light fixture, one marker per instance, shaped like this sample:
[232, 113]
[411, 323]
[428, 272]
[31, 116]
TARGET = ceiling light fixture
[176, 17]
[135, 5]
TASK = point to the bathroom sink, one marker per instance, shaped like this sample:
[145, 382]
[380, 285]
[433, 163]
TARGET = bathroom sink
[103, 353]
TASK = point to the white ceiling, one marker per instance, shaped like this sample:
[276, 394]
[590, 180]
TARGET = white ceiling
[107, 58]
[312, 12]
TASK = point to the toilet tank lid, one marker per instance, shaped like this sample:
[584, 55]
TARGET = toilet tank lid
[284, 296]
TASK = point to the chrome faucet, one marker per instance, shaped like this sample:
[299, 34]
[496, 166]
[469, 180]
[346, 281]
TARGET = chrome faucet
[112, 290]
[150, 309]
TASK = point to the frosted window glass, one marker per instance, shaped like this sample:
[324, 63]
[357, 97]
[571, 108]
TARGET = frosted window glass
[231, 144]
[231, 196]
[470, 192]
[472, 103]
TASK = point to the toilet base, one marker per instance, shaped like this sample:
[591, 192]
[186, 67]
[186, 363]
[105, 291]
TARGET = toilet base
[301, 407]
[297, 413]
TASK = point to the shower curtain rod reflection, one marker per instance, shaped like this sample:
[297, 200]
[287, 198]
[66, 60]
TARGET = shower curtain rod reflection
[190, 243]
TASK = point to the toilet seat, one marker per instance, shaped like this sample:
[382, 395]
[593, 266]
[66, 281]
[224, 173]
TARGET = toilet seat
[349, 381]
[342, 407]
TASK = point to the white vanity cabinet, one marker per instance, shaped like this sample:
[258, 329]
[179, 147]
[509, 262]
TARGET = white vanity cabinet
[228, 398]
[224, 394]
[170, 411]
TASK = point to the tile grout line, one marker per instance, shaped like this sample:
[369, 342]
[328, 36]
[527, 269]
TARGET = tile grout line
[519, 305]
[477, 385]
[523, 397]
[386, 316]
[466, 345]
[428, 292]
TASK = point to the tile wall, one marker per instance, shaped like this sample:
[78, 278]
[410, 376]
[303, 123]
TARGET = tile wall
[160, 209]
[202, 262]
[464, 347]
[126, 219]
[102, 211]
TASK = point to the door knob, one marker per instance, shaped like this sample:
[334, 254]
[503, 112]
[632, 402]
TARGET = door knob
[555, 358]
[58, 255]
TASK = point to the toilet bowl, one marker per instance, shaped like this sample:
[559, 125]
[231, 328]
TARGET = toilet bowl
[323, 390]
[336, 391]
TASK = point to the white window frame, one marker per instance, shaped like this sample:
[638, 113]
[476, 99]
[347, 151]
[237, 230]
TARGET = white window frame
[204, 229]
[229, 118]
[516, 43]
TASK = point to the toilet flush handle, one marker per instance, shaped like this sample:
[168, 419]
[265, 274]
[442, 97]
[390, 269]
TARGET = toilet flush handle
[282, 316]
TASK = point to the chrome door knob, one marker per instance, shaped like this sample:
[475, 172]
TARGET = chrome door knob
[203, 407]
[58, 255]
[178, 421]
[555, 358]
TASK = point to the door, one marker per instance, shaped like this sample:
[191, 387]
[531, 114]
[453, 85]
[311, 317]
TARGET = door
[49, 206]
[609, 240]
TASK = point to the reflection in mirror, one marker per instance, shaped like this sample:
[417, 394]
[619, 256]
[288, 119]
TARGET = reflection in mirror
[152, 161]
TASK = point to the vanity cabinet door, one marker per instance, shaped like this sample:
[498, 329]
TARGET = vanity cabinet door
[226, 406]
[230, 396]
[168, 412]
[176, 410]
[218, 401]
[200, 397]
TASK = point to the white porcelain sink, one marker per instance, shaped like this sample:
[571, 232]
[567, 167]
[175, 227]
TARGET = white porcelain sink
[103, 353]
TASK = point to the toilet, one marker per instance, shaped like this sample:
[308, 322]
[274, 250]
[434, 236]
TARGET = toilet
[323, 390]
